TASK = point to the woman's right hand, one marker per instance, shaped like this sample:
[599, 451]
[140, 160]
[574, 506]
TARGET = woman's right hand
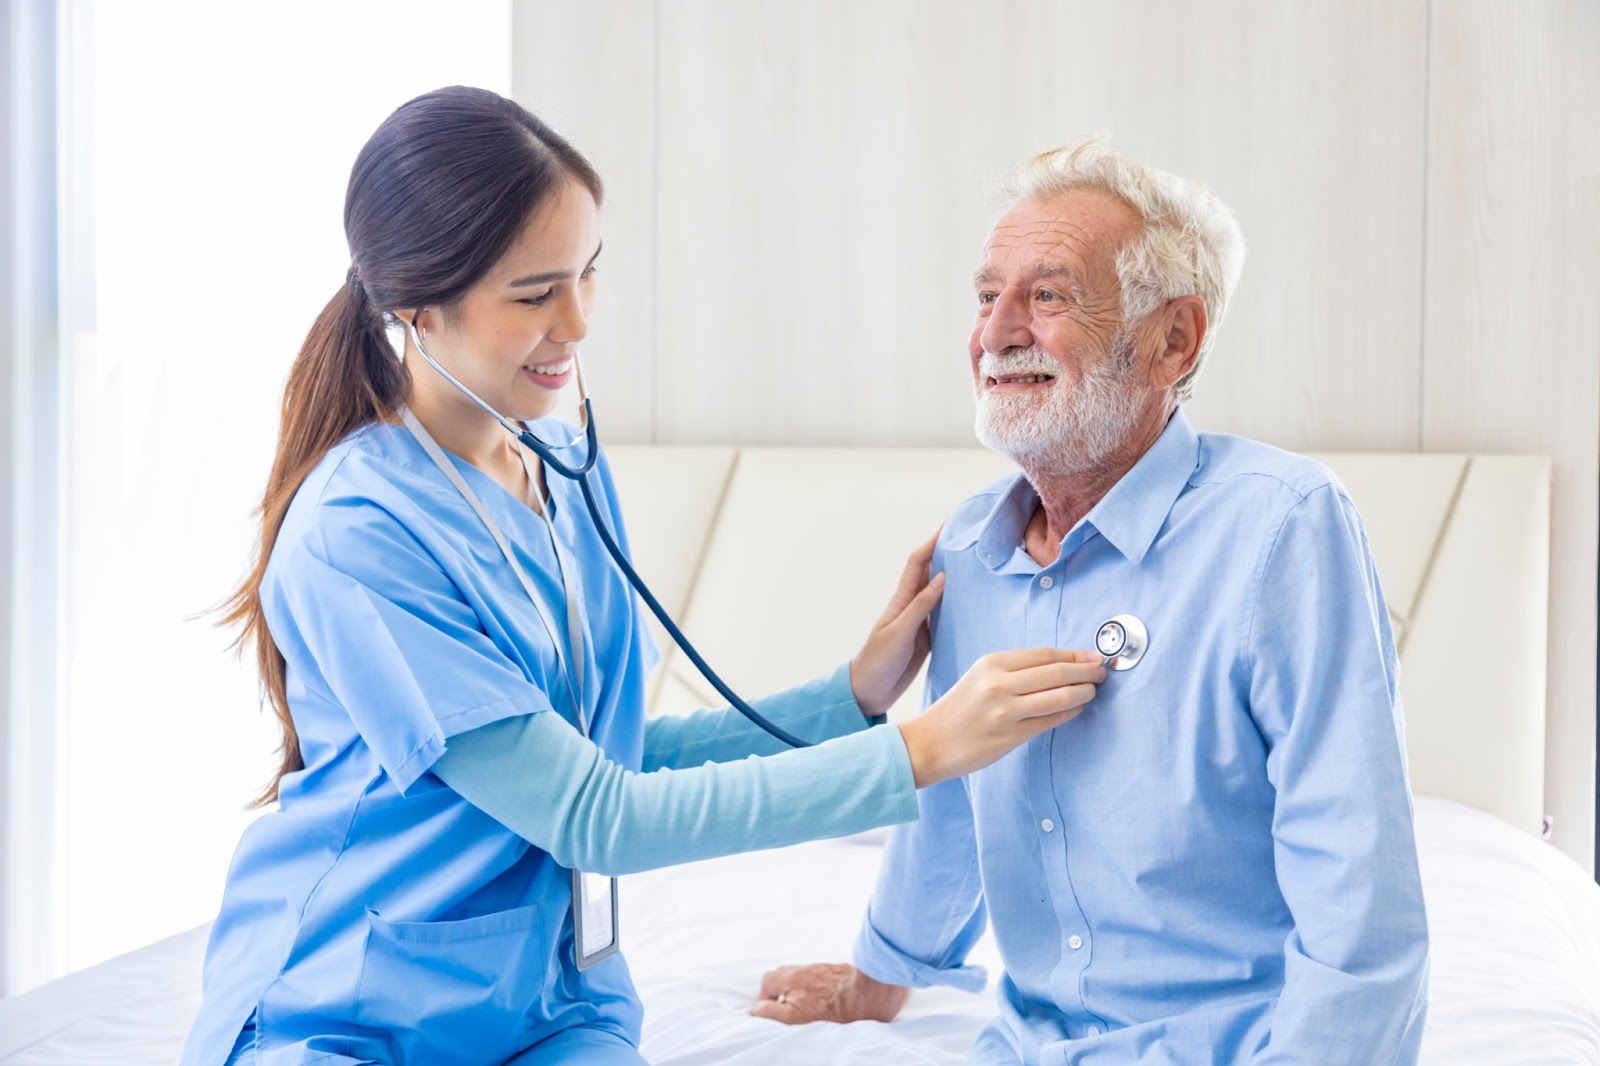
[1003, 700]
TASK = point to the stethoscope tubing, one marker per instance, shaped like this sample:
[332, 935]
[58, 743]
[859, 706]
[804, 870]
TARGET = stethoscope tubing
[579, 473]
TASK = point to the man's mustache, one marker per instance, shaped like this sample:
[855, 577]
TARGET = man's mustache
[1028, 361]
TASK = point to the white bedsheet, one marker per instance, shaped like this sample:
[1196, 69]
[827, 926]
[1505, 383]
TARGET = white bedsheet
[1515, 979]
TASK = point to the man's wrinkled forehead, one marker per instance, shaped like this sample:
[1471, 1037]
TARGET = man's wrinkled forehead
[1082, 229]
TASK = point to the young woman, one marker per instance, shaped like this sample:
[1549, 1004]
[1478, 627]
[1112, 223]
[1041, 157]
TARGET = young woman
[453, 750]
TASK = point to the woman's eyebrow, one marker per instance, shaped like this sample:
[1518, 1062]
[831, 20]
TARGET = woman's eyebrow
[553, 275]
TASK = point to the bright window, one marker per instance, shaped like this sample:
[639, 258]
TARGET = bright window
[214, 143]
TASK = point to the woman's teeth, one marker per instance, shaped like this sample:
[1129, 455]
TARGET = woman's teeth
[552, 369]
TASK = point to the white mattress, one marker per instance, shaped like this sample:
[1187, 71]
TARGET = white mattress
[1515, 979]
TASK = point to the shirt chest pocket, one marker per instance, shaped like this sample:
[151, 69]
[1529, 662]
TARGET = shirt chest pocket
[444, 989]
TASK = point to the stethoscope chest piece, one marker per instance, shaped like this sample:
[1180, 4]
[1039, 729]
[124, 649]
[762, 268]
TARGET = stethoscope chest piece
[1122, 641]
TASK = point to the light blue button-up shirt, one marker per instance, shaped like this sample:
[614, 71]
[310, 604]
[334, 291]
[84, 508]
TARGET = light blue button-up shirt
[1215, 861]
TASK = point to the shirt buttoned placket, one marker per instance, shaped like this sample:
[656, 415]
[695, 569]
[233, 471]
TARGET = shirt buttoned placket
[1045, 595]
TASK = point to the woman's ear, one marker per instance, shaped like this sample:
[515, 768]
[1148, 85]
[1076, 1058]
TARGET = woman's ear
[1184, 323]
[418, 316]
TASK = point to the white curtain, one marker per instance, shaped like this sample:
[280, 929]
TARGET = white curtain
[211, 146]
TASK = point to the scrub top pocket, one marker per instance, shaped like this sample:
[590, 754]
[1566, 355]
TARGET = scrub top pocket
[453, 991]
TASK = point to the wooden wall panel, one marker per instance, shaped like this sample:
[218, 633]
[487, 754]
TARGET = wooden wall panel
[798, 196]
[823, 166]
[589, 69]
[1511, 353]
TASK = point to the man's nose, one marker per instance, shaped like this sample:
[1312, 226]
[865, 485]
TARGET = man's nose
[1007, 323]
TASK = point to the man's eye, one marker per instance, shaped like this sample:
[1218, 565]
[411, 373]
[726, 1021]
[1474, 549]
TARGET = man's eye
[986, 297]
[1046, 296]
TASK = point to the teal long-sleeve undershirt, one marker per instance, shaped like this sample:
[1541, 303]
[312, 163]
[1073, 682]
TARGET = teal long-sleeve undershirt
[713, 783]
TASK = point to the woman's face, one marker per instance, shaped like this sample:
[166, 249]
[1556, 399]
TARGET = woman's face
[513, 336]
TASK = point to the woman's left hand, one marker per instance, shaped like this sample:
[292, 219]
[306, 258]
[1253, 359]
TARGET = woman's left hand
[898, 642]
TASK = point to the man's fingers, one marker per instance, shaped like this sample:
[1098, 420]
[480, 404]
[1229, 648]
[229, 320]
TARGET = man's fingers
[775, 981]
[786, 1013]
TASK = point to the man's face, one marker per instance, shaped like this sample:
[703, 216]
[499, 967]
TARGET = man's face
[1056, 374]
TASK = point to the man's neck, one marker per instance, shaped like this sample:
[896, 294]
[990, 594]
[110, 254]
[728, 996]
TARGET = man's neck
[1064, 498]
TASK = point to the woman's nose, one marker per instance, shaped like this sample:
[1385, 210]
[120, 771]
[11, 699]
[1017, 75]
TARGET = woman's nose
[573, 324]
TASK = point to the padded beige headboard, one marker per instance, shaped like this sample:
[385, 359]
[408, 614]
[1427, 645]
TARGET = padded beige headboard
[776, 560]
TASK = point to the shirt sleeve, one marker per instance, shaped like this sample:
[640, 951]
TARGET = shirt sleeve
[550, 785]
[815, 711]
[927, 911]
[362, 611]
[1324, 692]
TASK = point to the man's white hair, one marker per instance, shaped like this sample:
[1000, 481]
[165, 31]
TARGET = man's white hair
[1190, 243]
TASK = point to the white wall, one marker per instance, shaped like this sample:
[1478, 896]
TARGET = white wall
[206, 152]
[797, 199]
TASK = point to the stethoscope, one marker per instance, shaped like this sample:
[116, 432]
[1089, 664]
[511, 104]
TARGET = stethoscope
[579, 473]
[1121, 641]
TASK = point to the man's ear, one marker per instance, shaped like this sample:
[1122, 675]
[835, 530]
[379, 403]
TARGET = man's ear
[1183, 325]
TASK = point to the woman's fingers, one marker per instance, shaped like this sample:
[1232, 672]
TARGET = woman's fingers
[1028, 658]
[1054, 703]
[921, 606]
[1052, 676]
[1046, 722]
[913, 579]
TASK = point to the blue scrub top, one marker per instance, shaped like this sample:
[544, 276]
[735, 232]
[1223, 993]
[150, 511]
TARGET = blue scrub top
[374, 895]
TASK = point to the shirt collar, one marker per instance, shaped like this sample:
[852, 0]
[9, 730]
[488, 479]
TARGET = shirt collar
[1129, 516]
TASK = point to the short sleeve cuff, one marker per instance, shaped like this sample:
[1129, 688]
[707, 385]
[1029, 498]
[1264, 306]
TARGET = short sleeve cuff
[880, 960]
[425, 754]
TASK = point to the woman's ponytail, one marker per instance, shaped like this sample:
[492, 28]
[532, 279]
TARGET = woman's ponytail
[346, 376]
[436, 197]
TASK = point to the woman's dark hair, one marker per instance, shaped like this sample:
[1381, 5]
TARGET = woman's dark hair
[438, 194]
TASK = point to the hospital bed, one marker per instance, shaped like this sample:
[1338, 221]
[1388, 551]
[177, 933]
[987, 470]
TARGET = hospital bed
[776, 559]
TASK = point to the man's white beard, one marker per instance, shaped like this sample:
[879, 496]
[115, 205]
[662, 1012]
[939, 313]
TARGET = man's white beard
[1059, 429]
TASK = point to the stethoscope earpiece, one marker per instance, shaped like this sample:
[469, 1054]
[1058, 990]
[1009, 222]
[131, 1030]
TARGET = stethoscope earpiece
[1121, 642]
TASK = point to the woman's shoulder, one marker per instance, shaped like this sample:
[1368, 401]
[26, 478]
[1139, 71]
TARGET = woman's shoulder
[374, 484]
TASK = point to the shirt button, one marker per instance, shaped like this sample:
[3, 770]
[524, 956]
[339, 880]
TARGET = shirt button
[1048, 826]
[1046, 581]
[1094, 1030]
[1075, 941]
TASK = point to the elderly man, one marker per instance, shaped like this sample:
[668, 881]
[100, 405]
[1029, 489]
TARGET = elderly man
[1215, 863]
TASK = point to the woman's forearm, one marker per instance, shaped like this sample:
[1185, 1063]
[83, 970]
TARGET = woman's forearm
[818, 710]
[543, 780]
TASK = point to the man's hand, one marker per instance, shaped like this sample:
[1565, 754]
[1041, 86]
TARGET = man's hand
[827, 992]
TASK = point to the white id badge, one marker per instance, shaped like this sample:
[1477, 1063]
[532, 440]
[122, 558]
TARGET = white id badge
[594, 918]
